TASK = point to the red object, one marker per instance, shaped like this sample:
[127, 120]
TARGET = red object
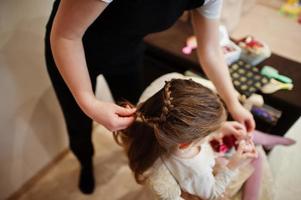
[250, 42]
[184, 145]
[229, 141]
[254, 44]
[215, 145]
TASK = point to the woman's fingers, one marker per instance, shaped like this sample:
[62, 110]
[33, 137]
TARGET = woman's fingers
[124, 122]
[236, 129]
[124, 117]
[249, 124]
[240, 130]
[125, 112]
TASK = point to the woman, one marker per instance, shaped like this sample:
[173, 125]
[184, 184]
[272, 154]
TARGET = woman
[85, 38]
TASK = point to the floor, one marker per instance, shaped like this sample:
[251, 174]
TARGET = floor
[114, 179]
[282, 34]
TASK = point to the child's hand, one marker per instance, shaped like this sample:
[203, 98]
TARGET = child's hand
[220, 163]
[245, 153]
[236, 129]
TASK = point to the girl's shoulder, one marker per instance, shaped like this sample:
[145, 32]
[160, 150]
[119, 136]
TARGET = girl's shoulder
[202, 163]
[162, 183]
[205, 155]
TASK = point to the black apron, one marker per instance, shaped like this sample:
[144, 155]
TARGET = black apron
[113, 47]
[116, 36]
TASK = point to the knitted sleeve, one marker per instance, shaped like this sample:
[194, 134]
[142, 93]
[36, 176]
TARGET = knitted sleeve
[163, 184]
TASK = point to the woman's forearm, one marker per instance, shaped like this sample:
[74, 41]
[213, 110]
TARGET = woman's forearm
[216, 69]
[70, 60]
[71, 22]
[211, 57]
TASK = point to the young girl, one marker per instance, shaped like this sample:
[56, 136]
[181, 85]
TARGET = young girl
[173, 129]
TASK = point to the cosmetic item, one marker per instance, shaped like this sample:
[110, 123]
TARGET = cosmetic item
[246, 78]
[267, 114]
[274, 86]
[253, 100]
[191, 44]
[271, 72]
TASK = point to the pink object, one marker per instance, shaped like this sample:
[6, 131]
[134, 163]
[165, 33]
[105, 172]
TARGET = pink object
[223, 148]
[191, 44]
[187, 50]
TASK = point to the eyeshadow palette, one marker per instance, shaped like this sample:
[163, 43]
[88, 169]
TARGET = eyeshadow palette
[246, 78]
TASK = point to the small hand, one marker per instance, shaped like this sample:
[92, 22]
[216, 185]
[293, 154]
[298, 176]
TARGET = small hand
[240, 114]
[245, 153]
[234, 128]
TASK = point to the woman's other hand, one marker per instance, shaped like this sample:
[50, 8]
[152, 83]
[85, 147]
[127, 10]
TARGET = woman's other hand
[243, 116]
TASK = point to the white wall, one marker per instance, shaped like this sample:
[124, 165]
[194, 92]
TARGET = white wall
[31, 125]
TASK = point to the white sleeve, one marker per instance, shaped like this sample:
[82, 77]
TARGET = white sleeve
[212, 187]
[211, 9]
[107, 1]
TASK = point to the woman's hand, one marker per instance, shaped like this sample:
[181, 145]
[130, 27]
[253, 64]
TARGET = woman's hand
[240, 114]
[110, 115]
[230, 128]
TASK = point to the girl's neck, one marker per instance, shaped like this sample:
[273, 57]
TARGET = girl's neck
[188, 153]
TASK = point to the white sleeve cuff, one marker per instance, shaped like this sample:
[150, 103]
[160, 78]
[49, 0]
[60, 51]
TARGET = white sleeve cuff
[222, 180]
[211, 9]
[107, 1]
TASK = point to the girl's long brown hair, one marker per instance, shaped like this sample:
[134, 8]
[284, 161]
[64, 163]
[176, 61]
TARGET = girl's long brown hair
[181, 112]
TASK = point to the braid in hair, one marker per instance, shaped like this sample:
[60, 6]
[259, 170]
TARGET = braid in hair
[167, 106]
[150, 121]
[154, 122]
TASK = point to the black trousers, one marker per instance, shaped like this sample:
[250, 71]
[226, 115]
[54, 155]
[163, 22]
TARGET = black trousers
[124, 84]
